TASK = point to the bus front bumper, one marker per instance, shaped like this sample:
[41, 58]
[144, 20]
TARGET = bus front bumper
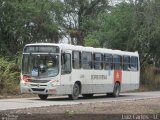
[46, 89]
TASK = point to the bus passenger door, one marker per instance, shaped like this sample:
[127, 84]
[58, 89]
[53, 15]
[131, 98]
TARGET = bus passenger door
[66, 78]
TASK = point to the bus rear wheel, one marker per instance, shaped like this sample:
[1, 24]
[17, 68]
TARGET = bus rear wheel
[75, 92]
[116, 91]
[42, 97]
[87, 95]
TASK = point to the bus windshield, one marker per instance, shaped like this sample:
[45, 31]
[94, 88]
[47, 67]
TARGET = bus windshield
[40, 65]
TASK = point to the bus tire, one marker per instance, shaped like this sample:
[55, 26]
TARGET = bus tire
[87, 95]
[75, 92]
[42, 97]
[116, 91]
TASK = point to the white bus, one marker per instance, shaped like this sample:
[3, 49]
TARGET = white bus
[63, 69]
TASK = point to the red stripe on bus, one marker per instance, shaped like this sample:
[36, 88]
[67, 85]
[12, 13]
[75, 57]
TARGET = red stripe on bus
[118, 75]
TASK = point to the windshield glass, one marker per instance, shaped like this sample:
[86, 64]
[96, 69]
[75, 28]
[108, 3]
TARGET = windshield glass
[40, 65]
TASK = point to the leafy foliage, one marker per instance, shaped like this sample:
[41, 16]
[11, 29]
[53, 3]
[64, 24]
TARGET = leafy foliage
[131, 27]
[25, 21]
[77, 17]
[116, 27]
[9, 77]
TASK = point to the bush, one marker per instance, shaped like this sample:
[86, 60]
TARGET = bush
[150, 78]
[9, 77]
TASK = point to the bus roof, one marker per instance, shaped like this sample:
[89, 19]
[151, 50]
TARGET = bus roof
[64, 46]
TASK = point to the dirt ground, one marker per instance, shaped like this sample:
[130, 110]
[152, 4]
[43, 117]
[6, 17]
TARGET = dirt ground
[10, 96]
[148, 109]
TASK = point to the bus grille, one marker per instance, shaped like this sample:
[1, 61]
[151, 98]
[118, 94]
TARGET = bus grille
[38, 89]
[39, 81]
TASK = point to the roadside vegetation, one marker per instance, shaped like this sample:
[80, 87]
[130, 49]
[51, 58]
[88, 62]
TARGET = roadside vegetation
[131, 25]
[150, 79]
[9, 77]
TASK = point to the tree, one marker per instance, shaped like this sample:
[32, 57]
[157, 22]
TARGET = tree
[115, 27]
[132, 27]
[77, 17]
[25, 21]
[146, 30]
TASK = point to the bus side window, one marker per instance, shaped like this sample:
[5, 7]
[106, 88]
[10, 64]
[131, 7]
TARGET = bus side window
[108, 62]
[117, 59]
[86, 60]
[66, 63]
[98, 58]
[134, 63]
[76, 59]
[126, 63]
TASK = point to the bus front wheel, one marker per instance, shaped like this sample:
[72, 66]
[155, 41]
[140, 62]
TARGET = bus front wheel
[75, 92]
[42, 97]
